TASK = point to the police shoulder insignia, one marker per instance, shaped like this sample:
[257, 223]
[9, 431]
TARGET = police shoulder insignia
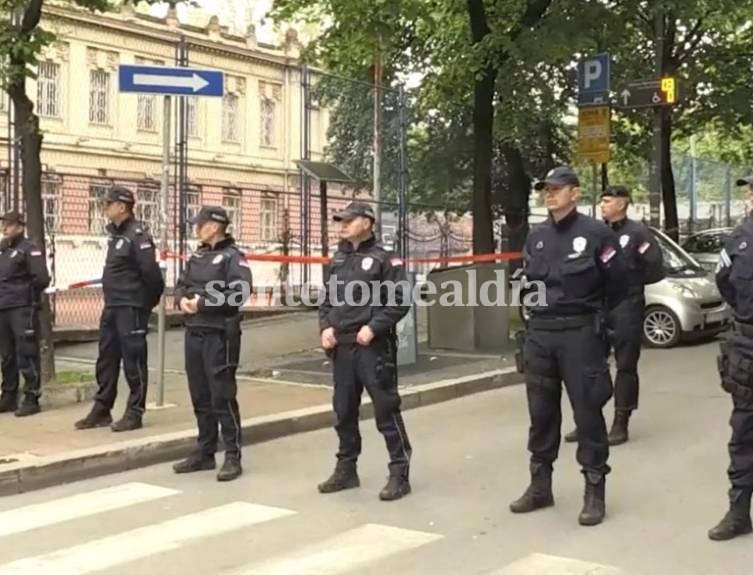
[35, 253]
[539, 245]
[624, 240]
[367, 263]
[743, 245]
[607, 254]
[396, 261]
[217, 259]
[643, 248]
[14, 253]
[119, 244]
[579, 244]
[145, 245]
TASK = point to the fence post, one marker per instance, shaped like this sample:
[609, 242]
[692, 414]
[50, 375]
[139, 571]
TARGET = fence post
[728, 196]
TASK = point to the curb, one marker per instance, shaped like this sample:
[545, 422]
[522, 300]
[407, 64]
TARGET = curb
[23, 476]
[56, 396]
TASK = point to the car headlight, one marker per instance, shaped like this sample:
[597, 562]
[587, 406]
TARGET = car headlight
[683, 290]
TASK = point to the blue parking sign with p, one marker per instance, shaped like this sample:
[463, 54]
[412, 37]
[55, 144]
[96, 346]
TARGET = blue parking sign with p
[593, 74]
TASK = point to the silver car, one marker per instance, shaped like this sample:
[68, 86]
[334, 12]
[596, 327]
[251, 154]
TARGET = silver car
[704, 247]
[685, 304]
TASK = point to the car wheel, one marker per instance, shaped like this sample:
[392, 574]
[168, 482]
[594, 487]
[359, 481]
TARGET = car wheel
[661, 328]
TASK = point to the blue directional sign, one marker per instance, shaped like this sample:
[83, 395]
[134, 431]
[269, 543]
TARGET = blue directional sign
[593, 80]
[170, 81]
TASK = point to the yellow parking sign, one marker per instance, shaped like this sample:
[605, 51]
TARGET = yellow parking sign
[593, 134]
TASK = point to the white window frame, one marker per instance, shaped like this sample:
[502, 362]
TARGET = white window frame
[231, 118]
[99, 97]
[268, 212]
[267, 120]
[232, 201]
[96, 215]
[148, 206]
[50, 89]
[52, 197]
[192, 116]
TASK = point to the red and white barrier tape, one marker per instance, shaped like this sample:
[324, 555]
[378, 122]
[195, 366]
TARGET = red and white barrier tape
[76, 285]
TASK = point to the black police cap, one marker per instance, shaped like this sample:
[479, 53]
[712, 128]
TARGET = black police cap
[354, 210]
[616, 192]
[13, 217]
[211, 214]
[558, 177]
[745, 181]
[119, 194]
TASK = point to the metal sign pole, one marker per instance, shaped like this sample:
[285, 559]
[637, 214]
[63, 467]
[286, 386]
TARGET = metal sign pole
[164, 245]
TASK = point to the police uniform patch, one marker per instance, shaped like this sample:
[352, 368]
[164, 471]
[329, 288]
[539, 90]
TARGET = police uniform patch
[396, 262]
[37, 253]
[579, 244]
[14, 253]
[607, 254]
[366, 263]
[743, 245]
[643, 248]
[146, 245]
[624, 240]
[724, 258]
[243, 263]
[119, 244]
[539, 245]
[217, 259]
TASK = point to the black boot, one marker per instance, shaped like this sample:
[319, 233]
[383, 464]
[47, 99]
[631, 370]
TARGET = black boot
[129, 422]
[572, 437]
[195, 462]
[619, 432]
[343, 477]
[539, 492]
[594, 505]
[29, 406]
[8, 402]
[398, 485]
[737, 520]
[231, 469]
[97, 417]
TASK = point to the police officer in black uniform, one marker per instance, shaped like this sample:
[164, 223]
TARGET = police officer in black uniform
[213, 339]
[646, 266]
[734, 277]
[579, 262]
[362, 343]
[23, 278]
[132, 285]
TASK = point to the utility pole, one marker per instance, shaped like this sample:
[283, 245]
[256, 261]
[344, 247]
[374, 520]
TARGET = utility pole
[378, 139]
[655, 195]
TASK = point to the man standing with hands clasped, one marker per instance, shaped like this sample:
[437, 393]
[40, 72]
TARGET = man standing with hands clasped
[210, 292]
[361, 341]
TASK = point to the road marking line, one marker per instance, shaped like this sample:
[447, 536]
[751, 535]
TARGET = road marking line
[143, 542]
[345, 553]
[541, 564]
[77, 506]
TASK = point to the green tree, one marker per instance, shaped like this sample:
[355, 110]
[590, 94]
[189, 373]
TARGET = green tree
[23, 37]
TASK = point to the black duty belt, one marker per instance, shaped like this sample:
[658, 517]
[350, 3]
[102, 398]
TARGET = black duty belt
[556, 323]
[347, 337]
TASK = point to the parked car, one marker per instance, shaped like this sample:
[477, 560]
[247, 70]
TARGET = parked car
[685, 304]
[704, 247]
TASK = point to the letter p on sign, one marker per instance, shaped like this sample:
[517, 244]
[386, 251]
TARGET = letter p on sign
[594, 74]
[591, 73]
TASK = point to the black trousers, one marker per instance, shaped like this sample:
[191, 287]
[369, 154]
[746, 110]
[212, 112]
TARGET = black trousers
[740, 370]
[211, 363]
[122, 337]
[576, 356]
[373, 367]
[19, 345]
[626, 326]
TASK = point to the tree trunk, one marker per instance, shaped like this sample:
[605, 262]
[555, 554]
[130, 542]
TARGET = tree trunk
[669, 195]
[483, 125]
[31, 148]
[515, 203]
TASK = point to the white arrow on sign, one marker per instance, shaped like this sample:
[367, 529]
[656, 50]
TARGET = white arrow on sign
[195, 82]
[625, 95]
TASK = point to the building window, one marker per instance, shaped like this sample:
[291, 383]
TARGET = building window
[3, 101]
[267, 122]
[192, 112]
[99, 97]
[231, 201]
[230, 119]
[193, 205]
[268, 218]
[97, 221]
[49, 90]
[51, 199]
[146, 112]
[147, 206]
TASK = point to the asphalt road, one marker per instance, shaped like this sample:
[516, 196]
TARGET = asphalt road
[667, 488]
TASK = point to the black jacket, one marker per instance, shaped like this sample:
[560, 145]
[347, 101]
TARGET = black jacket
[734, 275]
[643, 254]
[23, 273]
[580, 263]
[131, 276]
[369, 263]
[225, 264]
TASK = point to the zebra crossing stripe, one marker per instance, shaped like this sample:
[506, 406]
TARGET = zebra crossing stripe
[77, 506]
[344, 553]
[541, 564]
[144, 542]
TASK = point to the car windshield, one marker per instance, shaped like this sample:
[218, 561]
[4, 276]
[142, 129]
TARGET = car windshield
[710, 243]
[676, 260]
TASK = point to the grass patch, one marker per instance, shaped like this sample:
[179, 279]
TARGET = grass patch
[72, 377]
